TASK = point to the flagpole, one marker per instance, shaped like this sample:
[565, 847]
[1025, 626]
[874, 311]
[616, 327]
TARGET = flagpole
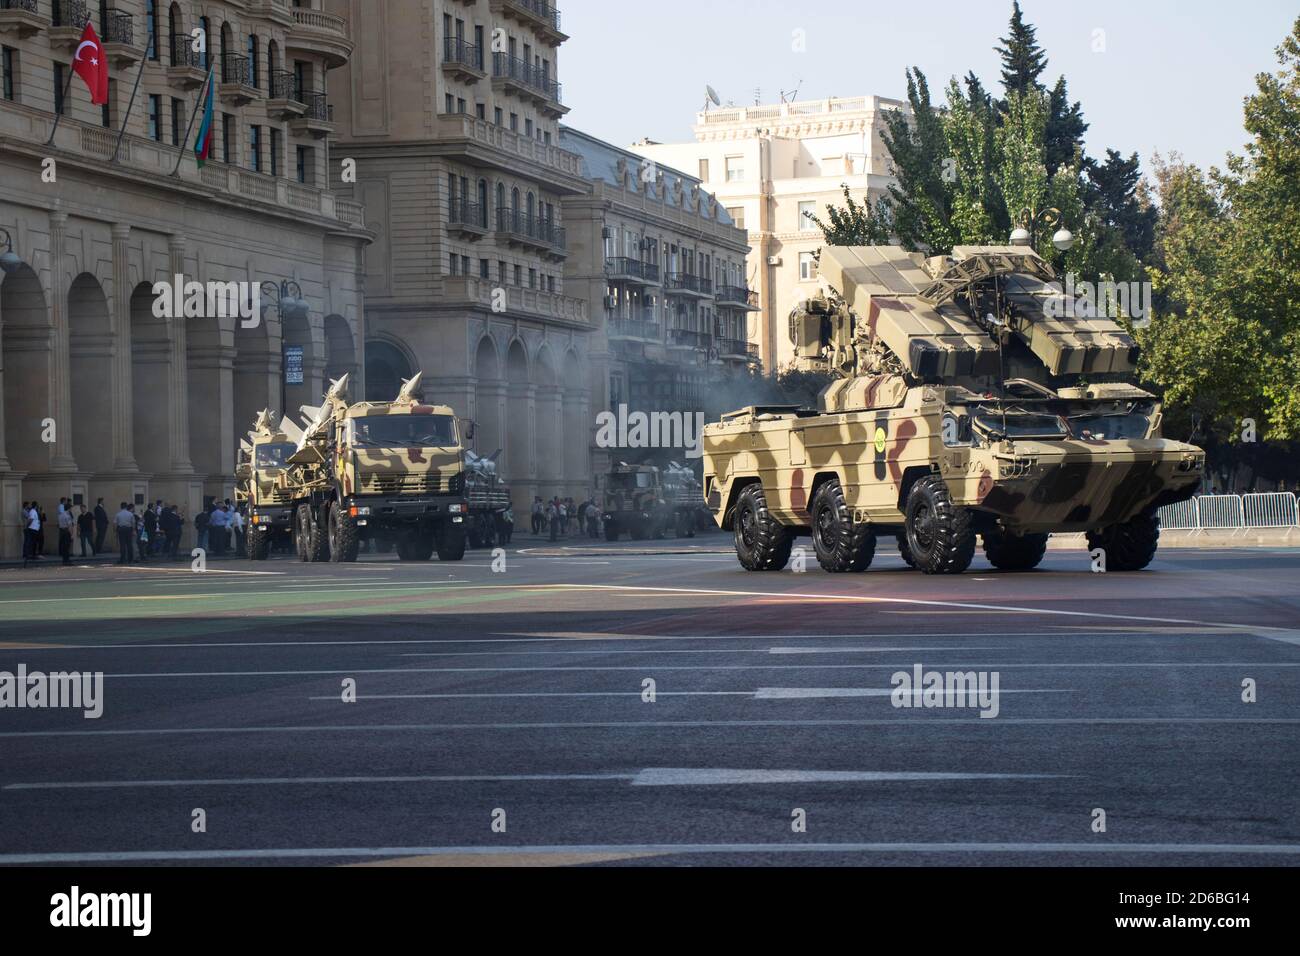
[190, 128]
[67, 88]
[131, 105]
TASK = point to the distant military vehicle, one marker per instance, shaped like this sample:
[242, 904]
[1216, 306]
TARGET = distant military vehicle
[969, 399]
[390, 471]
[489, 500]
[262, 486]
[644, 501]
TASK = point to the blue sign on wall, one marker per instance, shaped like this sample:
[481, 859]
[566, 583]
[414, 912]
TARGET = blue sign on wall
[293, 365]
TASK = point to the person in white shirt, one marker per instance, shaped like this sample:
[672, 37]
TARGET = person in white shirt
[124, 521]
[237, 526]
[31, 531]
[65, 535]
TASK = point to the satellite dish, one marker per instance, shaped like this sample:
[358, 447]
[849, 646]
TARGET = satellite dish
[711, 96]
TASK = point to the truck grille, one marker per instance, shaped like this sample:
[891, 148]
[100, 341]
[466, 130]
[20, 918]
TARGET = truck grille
[404, 485]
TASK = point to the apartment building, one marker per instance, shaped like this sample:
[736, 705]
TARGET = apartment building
[101, 398]
[450, 110]
[664, 267]
[772, 165]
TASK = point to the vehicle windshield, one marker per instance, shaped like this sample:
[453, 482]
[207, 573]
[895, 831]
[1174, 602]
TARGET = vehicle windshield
[404, 431]
[274, 456]
[1019, 424]
[1114, 422]
[628, 482]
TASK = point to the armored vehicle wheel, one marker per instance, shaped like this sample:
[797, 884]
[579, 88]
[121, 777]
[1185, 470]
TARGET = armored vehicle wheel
[904, 551]
[302, 533]
[1014, 552]
[318, 542]
[451, 543]
[939, 533]
[1130, 546]
[840, 545]
[416, 546]
[257, 544]
[344, 539]
[762, 543]
[611, 531]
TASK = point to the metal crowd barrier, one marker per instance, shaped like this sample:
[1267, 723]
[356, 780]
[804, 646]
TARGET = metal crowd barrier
[1278, 509]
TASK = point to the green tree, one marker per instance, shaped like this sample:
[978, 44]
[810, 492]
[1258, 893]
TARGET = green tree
[857, 224]
[920, 205]
[1063, 137]
[1023, 60]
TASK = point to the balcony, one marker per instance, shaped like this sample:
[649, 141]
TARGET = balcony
[237, 87]
[317, 119]
[321, 33]
[119, 39]
[634, 329]
[520, 229]
[66, 24]
[536, 14]
[736, 349]
[21, 18]
[731, 295]
[285, 102]
[467, 219]
[689, 286]
[485, 144]
[462, 61]
[687, 339]
[624, 269]
[515, 76]
[186, 67]
[462, 292]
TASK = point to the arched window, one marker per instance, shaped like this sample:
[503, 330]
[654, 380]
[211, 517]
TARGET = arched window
[226, 66]
[272, 66]
[175, 35]
[254, 62]
[482, 203]
[386, 368]
[206, 26]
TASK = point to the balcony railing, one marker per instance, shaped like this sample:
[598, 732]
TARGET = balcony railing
[318, 107]
[455, 50]
[635, 329]
[284, 86]
[236, 68]
[624, 266]
[690, 339]
[505, 66]
[735, 347]
[28, 5]
[734, 294]
[540, 9]
[118, 28]
[184, 54]
[530, 227]
[468, 214]
[685, 282]
[69, 13]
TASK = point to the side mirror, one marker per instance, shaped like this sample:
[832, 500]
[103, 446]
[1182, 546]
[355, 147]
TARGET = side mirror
[470, 427]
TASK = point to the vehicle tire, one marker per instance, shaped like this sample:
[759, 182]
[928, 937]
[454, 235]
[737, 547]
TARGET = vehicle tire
[1014, 552]
[904, 551]
[302, 532]
[939, 533]
[451, 543]
[257, 544]
[416, 546]
[840, 545]
[611, 531]
[762, 543]
[344, 538]
[318, 542]
[1130, 546]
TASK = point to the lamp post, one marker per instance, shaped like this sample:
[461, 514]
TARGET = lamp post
[287, 298]
[1026, 233]
[9, 260]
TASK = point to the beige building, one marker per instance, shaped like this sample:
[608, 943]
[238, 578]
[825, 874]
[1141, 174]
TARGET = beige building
[450, 109]
[769, 165]
[664, 266]
[100, 397]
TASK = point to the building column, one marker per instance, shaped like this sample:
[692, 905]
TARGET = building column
[123, 426]
[61, 359]
[178, 431]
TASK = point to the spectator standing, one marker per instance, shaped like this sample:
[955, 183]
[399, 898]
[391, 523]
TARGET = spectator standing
[537, 516]
[31, 533]
[203, 525]
[237, 527]
[86, 531]
[65, 534]
[101, 525]
[124, 522]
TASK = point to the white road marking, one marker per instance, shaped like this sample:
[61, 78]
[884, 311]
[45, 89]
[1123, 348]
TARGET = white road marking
[284, 781]
[674, 650]
[590, 693]
[318, 853]
[692, 777]
[812, 693]
[186, 570]
[878, 650]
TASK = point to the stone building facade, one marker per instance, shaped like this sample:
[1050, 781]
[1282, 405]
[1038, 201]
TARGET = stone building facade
[100, 397]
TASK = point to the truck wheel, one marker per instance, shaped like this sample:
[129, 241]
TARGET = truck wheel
[762, 543]
[1014, 552]
[939, 534]
[1130, 546]
[257, 544]
[415, 547]
[904, 551]
[611, 531]
[344, 539]
[451, 543]
[318, 542]
[302, 533]
[840, 544]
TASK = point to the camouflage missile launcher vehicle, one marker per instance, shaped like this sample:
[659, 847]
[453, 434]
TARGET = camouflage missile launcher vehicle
[489, 500]
[264, 486]
[644, 501]
[387, 471]
[969, 400]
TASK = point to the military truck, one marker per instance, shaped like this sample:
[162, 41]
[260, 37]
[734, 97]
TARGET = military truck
[388, 471]
[644, 501]
[489, 500]
[968, 398]
[267, 500]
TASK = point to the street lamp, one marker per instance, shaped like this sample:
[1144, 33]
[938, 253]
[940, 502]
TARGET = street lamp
[9, 260]
[1023, 235]
[287, 297]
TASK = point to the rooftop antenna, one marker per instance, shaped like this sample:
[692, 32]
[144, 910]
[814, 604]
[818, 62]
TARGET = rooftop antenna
[758, 96]
[711, 96]
[792, 95]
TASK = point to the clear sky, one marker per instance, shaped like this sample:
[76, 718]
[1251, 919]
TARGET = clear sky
[1171, 78]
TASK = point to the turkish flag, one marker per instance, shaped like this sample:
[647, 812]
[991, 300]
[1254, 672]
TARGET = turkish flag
[91, 65]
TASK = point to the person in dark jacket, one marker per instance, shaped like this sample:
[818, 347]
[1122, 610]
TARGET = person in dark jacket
[86, 532]
[101, 525]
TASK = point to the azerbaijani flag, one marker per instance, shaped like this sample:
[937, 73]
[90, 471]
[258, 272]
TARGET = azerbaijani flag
[203, 144]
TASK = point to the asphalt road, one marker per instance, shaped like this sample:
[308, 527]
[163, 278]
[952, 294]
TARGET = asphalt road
[519, 694]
